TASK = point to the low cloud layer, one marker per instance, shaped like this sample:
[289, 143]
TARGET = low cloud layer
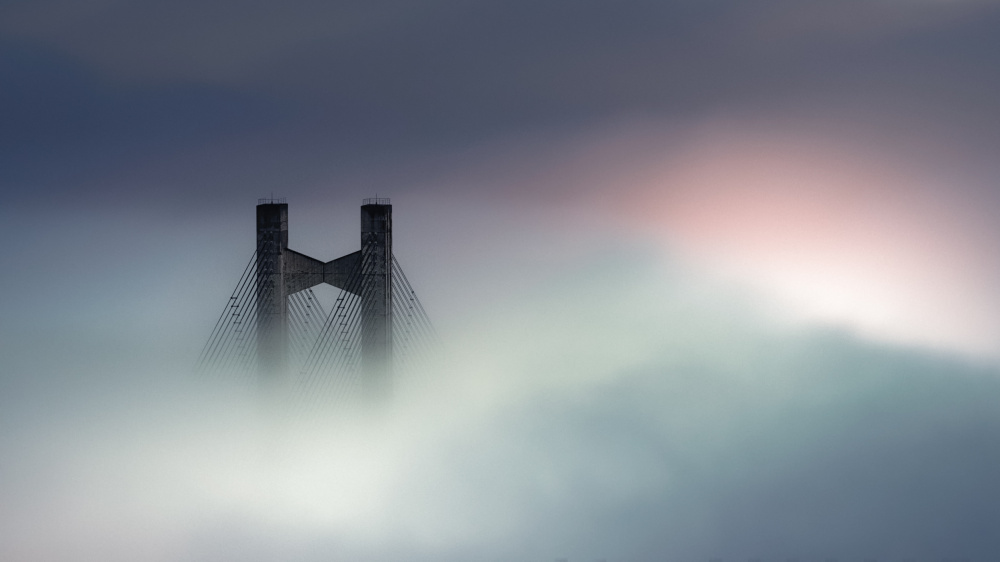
[626, 410]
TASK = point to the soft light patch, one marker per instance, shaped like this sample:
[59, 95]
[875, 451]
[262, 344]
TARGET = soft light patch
[834, 232]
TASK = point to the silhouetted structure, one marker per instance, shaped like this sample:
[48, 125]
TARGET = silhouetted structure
[356, 343]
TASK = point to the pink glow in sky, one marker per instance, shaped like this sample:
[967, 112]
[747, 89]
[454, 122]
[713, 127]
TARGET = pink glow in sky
[834, 231]
[830, 222]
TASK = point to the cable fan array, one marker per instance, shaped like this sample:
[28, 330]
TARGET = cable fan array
[324, 347]
[231, 349]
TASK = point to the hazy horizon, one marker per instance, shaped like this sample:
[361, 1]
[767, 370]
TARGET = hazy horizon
[713, 280]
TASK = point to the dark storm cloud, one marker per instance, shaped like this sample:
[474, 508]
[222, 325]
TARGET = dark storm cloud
[67, 130]
[157, 95]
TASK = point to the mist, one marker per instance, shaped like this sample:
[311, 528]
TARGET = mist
[712, 280]
[622, 405]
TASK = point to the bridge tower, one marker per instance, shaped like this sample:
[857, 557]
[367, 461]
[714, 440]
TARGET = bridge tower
[367, 273]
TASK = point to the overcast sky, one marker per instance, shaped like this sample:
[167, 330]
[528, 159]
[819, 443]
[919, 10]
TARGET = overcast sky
[717, 278]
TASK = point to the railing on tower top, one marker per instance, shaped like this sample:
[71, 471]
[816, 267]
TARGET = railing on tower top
[271, 200]
[375, 201]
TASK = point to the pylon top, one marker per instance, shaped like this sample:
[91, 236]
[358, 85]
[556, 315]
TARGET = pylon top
[271, 201]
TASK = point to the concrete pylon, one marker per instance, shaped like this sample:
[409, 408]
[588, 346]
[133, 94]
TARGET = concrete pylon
[376, 298]
[366, 273]
[272, 304]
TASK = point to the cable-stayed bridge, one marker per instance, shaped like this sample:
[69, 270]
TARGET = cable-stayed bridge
[275, 331]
